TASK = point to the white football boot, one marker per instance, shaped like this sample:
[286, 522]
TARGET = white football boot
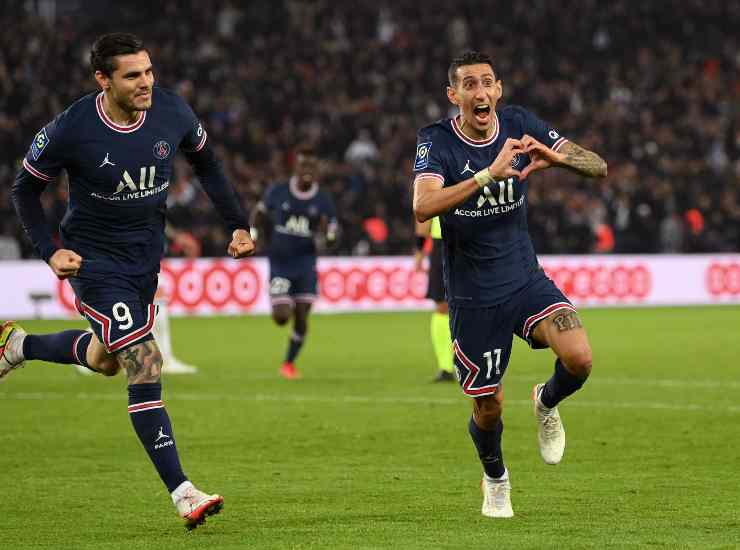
[496, 498]
[173, 365]
[194, 505]
[11, 347]
[550, 430]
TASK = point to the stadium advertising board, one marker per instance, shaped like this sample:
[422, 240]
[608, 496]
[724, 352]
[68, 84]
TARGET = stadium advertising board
[226, 287]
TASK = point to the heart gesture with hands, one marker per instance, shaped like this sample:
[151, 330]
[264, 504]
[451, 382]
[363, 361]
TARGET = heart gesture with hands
[541, 156]
[501, 167]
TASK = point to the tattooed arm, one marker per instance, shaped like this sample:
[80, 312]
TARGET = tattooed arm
[143, 363]
[571, 156]
[578, 159]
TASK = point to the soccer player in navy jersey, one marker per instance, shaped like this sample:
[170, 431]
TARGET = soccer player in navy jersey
[471, 170]
[292, 216]
[118, 147]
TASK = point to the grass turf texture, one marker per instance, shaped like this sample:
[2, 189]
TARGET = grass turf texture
[364, 452]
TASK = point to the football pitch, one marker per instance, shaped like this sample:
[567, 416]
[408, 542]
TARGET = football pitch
[365, 452]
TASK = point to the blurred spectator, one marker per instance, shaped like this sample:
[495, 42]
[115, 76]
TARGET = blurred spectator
[655, 91]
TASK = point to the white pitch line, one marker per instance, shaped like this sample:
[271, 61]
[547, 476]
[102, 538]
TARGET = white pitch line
[532, 378]
[661, 383]
[364, 399]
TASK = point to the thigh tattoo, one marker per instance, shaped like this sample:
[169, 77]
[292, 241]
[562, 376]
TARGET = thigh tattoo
[566, 320]
[142, 362]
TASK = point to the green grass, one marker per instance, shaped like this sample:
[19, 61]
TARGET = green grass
[364, 452]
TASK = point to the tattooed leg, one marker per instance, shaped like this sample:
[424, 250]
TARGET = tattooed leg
[565, 335]
[563, 332]
[143, 363]
[566, 320]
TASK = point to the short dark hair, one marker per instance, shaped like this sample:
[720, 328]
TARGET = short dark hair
[468, 58]
[108, 46]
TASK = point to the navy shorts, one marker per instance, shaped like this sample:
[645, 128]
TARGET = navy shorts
[482, 337]
[119, 308]
[290, 287]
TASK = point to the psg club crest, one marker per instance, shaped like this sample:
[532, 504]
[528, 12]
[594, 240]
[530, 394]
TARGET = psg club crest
[162, 149]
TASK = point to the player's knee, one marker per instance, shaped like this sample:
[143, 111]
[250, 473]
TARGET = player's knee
[280, 318]
[487, 412]
[579, 361]
[107, 366]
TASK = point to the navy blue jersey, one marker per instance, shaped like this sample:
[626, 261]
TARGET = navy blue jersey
[295, 216]
[488, 253]
[118, 178]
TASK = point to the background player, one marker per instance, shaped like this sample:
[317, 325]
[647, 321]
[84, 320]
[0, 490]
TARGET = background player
[118, 147]
[440, 323]
[291, 217]
[472, 171]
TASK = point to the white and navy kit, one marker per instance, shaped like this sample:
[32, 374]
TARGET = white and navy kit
[494, 284]
[295, 217]
[118, 180]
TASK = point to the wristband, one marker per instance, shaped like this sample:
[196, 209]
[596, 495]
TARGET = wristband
[483, 177]
[420, 242]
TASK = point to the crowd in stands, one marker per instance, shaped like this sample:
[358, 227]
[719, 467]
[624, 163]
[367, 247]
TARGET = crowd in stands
[654, 87]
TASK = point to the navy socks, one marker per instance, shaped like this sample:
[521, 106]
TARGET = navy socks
[488, 444]
[67, 347]
[294, 346]
[559, 386]
[152, 425]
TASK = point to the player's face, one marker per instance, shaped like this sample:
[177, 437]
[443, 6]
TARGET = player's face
[306, 168]
[130, 85]
[476, 93]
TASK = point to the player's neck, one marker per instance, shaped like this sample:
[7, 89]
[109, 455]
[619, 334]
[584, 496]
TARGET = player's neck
[118, 115]
[473, 133]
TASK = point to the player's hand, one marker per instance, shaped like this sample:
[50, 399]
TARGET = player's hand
[419, 261]
[65, 263]
[501, 168]
[541, 156]
[241, 244]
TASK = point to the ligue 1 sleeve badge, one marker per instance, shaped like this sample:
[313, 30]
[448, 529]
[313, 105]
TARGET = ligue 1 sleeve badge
[162, 149]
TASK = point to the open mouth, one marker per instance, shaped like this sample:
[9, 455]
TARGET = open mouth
[482, 112]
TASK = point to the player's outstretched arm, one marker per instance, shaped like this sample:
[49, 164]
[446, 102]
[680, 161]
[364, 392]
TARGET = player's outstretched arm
[583, 161]
[223, 196]
[26, 195]
[422, 230]
[432, 199]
